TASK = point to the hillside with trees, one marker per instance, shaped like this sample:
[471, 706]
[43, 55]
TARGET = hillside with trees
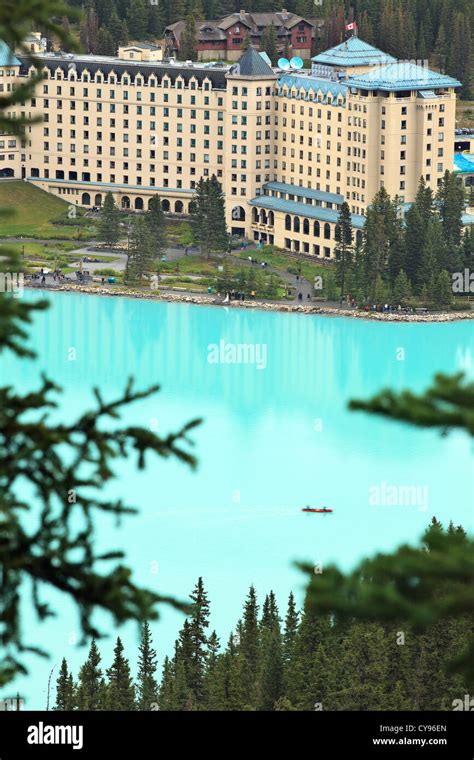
[439, 31]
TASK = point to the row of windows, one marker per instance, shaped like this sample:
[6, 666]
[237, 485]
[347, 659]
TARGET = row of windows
[112, 179]
[244, 91]
[100, 78]
[297, 246]
[404, 111]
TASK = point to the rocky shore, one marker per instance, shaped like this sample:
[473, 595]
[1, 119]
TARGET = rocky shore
[209, 300]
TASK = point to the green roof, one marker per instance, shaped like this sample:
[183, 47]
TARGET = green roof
[303, 210]
[252, 64]
[353, 52]
[7, 58]
[325, 86]
[402, 75]
[304, 192]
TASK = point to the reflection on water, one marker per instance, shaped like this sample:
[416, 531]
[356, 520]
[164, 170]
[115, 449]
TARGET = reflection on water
[272, 441]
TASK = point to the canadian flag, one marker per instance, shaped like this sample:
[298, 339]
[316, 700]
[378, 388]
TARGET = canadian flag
[351, 27]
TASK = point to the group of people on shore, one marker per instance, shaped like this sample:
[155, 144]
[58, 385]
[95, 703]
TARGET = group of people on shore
[390, 308]
[40, 276]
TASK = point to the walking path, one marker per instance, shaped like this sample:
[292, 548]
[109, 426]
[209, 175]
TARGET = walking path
[91, 250]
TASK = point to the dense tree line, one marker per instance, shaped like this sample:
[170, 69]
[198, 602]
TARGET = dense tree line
[440, 31]
[405, 255]
[301, 660]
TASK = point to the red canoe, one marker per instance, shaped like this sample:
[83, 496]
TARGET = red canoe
[323, 511]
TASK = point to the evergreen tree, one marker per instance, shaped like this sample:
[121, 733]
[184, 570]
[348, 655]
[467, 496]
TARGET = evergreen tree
[182, 694]
[119, 30]
[120, 688]
[213, 646]
[89, 684]
[147, 687]
[209, 216]
[363, 667]
[187, 46]
[166, 693]
[413, 245]
[401, 288]
[89, 29]
[198, 623]
[330, 288]
[224, 689]
[303, 687]
[225, 279]
[65, 697]
[156, 21]
[380, 216]
[141, 258]
[271, 673]
[344, 246]
[268, 43]
[443, 289]
[450, 205]
[249, 650]
[270, 616]
[246, 42]
[216, 220]
[104, 10]
[137, 19]
[440, 50]
[381, 291]
[105, 43]
[291, 628]
[156, 223]
[200, 212]
[109, 228]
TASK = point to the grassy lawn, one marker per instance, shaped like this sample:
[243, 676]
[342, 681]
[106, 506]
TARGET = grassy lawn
[191, 265]
[33, 213]
[37, 255]
[282, 262]
[42, 251]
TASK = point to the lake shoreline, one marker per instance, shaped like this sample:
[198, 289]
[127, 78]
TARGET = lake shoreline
[311, 309]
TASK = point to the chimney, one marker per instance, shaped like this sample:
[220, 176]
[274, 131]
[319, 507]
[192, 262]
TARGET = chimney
[242, 15]
[284, 13]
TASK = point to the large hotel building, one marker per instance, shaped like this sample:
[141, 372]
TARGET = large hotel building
[287, 146]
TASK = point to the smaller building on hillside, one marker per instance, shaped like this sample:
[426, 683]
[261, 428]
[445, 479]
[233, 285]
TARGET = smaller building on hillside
[223, 38]
[140, 51]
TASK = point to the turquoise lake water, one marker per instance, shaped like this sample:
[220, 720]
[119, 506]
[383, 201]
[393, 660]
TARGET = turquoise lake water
[273, 440]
